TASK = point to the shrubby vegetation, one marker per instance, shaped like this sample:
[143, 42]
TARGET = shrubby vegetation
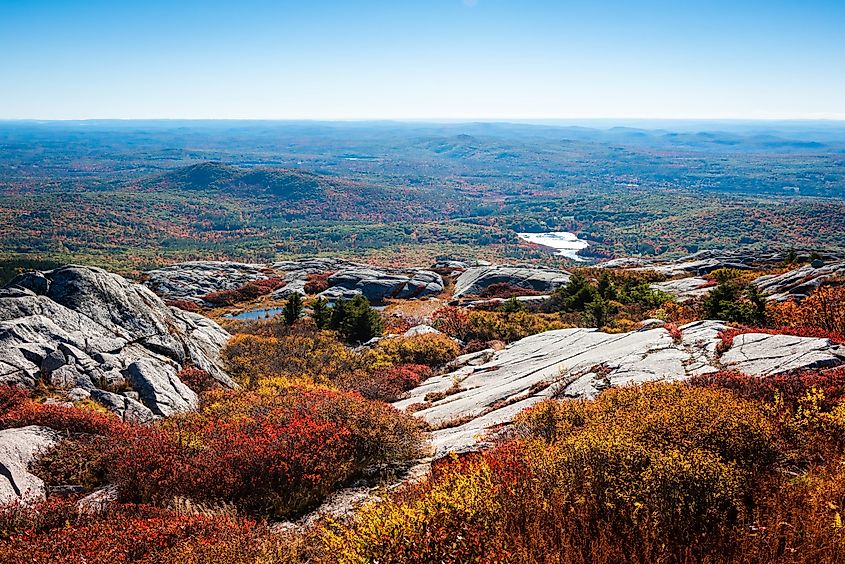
[722, 468]
[660, 473]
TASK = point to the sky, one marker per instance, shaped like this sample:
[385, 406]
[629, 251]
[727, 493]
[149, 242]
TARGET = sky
[422, 59]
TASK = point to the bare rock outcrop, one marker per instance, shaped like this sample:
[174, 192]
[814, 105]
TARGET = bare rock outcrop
[80, 328]
[466, 404]
[473, 280]
[799, 283]
[193, 280]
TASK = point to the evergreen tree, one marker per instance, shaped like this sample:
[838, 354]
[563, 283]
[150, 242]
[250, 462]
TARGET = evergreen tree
[356, 321]
[606, 288]
[511, 305]
[320, 313]
[791, 257]
[597, 312]
[293, 308]
[576, 294]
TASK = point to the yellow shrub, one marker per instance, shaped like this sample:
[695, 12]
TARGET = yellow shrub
[444, 519]
[509, 327]
[431, 349]
[318, 357]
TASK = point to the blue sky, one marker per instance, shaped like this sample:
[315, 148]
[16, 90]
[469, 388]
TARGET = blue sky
[418, 59]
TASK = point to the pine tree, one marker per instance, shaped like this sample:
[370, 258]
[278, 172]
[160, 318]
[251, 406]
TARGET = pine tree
[576, 294]
[356, 321]
[597, 312]
[293, 308]
[511, 305]
[320, 313]
[606, 288]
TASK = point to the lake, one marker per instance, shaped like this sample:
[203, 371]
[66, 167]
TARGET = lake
[565, 243]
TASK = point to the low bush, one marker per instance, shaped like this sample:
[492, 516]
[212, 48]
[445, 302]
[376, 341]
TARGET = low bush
[662, 473]
[386, 384]
[301, 354]
[80, 460]
[317, 282]
[508, 327]
[186, 305]
[271, 454]
[198, 380]
[248, 291]
[431, 349]
[67, 419]
[55, 532]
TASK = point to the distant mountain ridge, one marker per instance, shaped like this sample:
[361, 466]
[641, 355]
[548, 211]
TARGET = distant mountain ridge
[211, 175]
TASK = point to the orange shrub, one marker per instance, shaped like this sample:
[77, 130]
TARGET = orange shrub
[55, 532]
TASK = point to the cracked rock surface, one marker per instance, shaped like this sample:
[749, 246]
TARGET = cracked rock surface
[86, 331]
[466, 404]
[684, 289]
[799, 283]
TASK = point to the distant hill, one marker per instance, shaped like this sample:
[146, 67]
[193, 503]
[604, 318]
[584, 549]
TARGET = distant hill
[287, 184]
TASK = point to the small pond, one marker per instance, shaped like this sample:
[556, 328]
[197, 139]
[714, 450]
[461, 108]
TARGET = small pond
[566, 244]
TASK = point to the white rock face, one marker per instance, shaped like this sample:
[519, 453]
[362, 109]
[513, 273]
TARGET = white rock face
[83, 329]
[684, 289]
[474, 280]
[580, 363]
[19, 447]
[799, 283]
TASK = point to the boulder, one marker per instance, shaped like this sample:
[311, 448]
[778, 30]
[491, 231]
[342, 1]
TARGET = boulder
[487, 391]
[53, 361]
[474, 280]
[337, 293]
[378, 285]
[421, 330]
[18, 448]
[92, 330]
[127, 408]
[159, 388]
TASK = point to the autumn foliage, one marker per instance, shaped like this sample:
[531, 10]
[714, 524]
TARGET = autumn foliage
[248, 291]
[660, 473]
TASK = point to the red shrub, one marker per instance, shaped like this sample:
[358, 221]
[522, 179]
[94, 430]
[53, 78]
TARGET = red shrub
[454, 321]
[278, 465]
[186, 305]
[275, 454]
[55, 532]
[389, 384]
[198, 380]
[317, 283]
[674, 332]
[11, 397]
[61, 418]
[248, 291]
[790, 388]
